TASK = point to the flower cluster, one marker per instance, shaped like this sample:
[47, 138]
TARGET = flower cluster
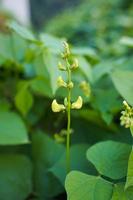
[127, 116]
[68, 68]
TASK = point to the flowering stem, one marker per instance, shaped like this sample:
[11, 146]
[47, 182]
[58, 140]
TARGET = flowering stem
[68, 122]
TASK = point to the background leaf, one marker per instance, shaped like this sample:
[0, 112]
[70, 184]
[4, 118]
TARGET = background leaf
[15, 177]
[12, 129]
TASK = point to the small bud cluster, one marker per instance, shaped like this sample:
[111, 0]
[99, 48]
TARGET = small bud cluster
[60, 137]
[85, 87]
[68, 67]
[127, 116]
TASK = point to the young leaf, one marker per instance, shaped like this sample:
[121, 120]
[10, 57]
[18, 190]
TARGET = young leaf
[82, 186]
[110, 158]
[15, 177]
[12, 129]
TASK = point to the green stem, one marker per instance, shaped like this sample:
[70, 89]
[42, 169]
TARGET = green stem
[68, 123]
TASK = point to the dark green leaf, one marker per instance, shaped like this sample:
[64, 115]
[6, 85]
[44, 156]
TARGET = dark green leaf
[12, 129]
[15, 177]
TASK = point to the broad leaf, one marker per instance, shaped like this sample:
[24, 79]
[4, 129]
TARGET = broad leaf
[123, 81]
[12, 129]
[110, 158]
[82, 186]
[15, 177]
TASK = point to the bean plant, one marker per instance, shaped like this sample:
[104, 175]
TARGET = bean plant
[68, 67]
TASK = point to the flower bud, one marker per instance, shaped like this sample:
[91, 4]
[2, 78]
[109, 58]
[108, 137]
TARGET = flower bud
[67, 49]
[75, 64]
[65, 102]
[61, 82]
[77, 104]
[70, 85]
[127, 116]
[59, 138]
[61, 67]
[126, 105]
[85, 88]
[57, 107]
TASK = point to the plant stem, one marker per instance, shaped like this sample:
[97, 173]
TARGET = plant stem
[68, 123]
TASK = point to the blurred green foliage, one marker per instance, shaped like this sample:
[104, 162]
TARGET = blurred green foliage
[31, 160]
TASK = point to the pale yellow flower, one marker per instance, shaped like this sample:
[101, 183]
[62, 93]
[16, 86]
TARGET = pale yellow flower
[78, 103]
[57, 107]
[61, 82]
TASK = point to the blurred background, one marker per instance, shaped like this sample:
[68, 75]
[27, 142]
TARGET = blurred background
[100, 33]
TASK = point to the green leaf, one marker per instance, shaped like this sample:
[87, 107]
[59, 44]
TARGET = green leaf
[5, 47]
[85, 68]
[45, 152]
[22, 31]
[15, 177]
[51, 64]
[54, 44]
[82, 186]
[12, 129]
[123, 81]
[78, 162]
[24, 100]
[110, 158]
[101, 69]
[40, 85]
[85, 51]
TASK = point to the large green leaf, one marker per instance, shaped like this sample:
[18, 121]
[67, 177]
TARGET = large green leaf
[15, 177]
[110, 158]
[123, 81]
[46, 152]
[78, 162]
[12, 129]
[82, 186]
